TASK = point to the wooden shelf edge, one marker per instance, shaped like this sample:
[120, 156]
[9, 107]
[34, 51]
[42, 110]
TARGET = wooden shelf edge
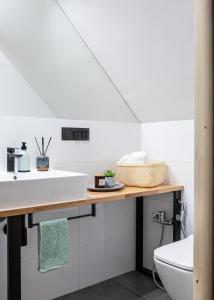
[92, 198]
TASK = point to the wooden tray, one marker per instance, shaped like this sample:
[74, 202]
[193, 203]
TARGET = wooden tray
[118, 186]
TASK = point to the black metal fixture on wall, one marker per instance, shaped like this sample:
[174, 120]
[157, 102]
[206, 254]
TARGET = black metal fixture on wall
[31, 224]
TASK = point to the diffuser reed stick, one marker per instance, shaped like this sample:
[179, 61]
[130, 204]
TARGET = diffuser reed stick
[38, 146]
[43, 146]
[48, 145]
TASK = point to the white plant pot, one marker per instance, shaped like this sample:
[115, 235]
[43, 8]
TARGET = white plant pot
[110, 181]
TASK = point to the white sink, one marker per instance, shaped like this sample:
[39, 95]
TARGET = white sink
[36, 188]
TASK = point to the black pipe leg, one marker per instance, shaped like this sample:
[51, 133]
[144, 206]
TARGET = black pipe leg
[24, 232]
[176, 215]
[139, 234]
[14, 242]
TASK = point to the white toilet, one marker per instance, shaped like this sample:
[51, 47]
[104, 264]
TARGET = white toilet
[174, 264]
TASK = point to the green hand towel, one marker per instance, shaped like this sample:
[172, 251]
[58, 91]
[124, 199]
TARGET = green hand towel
[52, 244]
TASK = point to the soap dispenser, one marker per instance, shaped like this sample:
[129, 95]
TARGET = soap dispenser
[24, 160]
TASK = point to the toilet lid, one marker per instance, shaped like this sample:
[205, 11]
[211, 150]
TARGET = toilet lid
[178, 254]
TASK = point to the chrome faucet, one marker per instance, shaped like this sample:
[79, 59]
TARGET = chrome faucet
[12, 156]
[160, 217]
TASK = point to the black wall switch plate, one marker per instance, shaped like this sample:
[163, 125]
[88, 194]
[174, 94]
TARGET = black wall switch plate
[75, 134]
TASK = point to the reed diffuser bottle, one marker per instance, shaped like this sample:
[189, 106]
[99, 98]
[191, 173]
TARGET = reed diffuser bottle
[42, 161]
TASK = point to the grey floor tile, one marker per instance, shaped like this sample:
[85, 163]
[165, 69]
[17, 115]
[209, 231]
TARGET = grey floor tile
[111, 290]
[130, 286]
[136, 282]
[79, 295]
[157, 295]
[108, 290]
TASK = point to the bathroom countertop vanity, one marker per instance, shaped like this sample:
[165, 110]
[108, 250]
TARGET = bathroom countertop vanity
[17, 231]
[92, 198]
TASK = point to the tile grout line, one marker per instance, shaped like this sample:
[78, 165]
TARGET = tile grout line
[126, 288]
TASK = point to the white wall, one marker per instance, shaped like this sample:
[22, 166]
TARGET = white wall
[172, 142]
[45, 48]
[146, 46]
[100, 247]
[17, 98]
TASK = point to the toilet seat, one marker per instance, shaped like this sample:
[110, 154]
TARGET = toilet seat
[178, 254]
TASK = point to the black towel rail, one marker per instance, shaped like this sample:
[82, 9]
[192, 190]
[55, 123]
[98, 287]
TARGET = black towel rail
[31, 224]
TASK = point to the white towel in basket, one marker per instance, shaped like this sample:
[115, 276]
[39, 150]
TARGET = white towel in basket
[135, 157]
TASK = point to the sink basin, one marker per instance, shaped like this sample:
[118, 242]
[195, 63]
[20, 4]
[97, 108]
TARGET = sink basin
[37, 188]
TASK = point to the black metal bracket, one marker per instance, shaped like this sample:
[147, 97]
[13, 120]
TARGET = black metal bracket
[14, 243]
[23, 233]
[176, 213]
[139, 233]
[5, 226]
[31, 224]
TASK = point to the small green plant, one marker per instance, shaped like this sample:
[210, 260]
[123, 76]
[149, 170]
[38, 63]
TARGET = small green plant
[109, 173]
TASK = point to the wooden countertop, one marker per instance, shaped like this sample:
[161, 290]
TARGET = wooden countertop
[92, 198]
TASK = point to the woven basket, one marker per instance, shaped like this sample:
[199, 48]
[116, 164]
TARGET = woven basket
[143, 175]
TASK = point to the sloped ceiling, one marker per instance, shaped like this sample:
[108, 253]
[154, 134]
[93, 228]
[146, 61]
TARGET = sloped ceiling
[38, 39]
[144, 46]
[17, 97]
